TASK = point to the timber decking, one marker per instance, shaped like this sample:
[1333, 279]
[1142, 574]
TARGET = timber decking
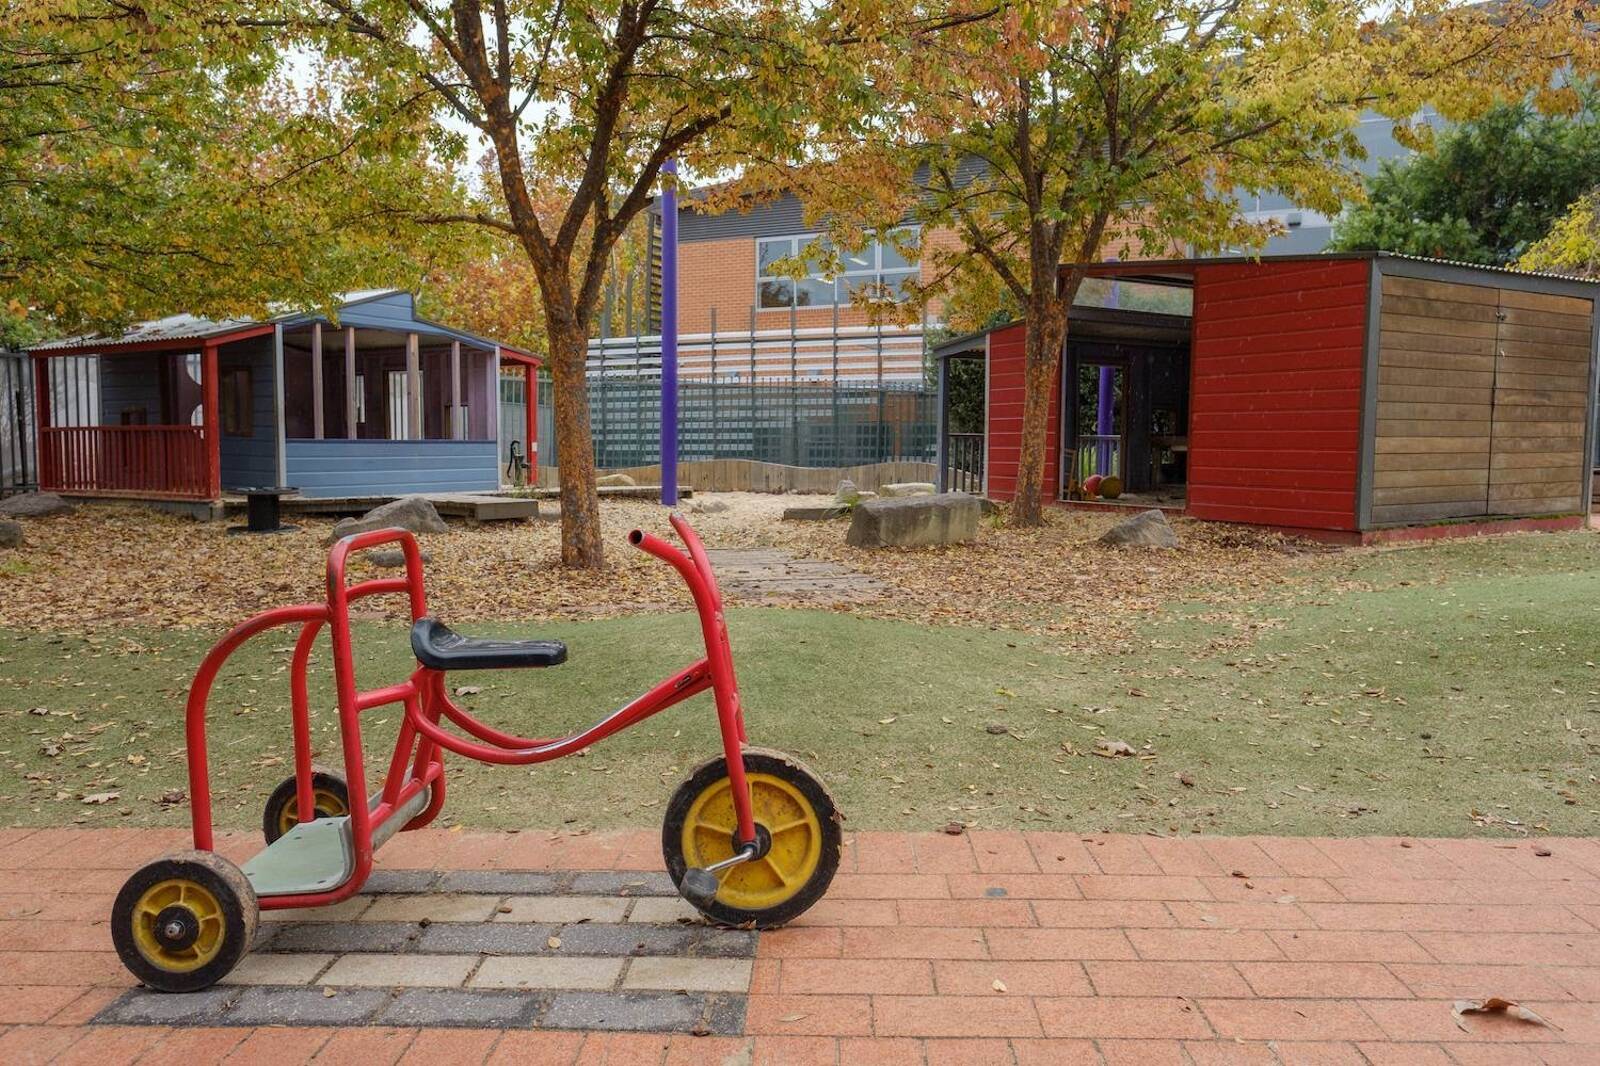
[473, 506]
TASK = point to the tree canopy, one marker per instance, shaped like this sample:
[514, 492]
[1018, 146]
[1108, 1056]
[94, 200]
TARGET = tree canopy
[1059, 133]
[1487, 191]
[154, 158]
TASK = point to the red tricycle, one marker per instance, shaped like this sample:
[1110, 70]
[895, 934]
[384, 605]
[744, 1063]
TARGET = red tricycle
[750, 839]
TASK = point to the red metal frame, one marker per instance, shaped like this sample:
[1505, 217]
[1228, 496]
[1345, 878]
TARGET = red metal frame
[418, 759]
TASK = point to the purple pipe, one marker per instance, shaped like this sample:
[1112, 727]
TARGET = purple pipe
[669, 335]
[1105, 424]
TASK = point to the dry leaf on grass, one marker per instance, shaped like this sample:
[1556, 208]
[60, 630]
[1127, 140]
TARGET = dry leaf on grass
[1496, 1005]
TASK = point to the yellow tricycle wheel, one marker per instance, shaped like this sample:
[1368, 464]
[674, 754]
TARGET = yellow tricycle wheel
[183, 922]
[330, 799]
[797, 831]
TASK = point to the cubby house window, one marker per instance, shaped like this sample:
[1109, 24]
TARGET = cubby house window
[880, 268]
[237, 401]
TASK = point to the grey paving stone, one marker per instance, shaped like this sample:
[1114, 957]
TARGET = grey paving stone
[388, 881]
[337, 938]
[714, 942]
[677, 974]
[605, 939]
[140, 1006]
[412, 970]
[605, 883]
[305, 1006]
[461, 1007]
[635, 1011]
[500, 882]
[277, 968]
[725, 1014]
[550, 971]
[488, 938]
[563, 910]
[431, 907]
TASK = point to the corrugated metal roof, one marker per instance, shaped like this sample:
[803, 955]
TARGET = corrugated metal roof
[191, 327]
[171, 328]
[1156, 266]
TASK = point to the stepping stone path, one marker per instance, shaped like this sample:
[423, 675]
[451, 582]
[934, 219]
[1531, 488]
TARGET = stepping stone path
[480, 949]
[767, 574]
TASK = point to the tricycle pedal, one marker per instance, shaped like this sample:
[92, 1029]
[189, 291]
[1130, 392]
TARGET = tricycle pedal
[699, 887]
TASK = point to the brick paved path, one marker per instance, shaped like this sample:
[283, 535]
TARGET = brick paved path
[991, 947]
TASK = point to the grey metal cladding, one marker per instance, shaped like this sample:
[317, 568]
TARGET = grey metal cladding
[785, 215]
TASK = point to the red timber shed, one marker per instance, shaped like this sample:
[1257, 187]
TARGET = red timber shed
[1351, 396]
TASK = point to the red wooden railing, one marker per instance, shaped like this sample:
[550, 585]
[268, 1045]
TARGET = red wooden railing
[165, 461]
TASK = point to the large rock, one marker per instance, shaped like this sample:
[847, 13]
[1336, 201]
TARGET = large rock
[1147, 529]
[847, 494]
[915, 521]
[614, 481]
[35, 505]
[907, 488]
[10, 533]
[414, 513]
[391, 557]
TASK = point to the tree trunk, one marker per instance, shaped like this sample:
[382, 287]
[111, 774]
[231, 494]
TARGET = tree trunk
[1046, 330]
[581, 542]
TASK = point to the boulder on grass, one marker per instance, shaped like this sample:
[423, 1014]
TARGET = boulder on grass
[1147, 529]
[414, 513]
[10, 533]
[614, 481]
[907, 488]
[915, 521]
[35, 505]
[390, 557]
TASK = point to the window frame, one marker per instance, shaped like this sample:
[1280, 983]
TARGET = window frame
[873, 275]
[236, 409]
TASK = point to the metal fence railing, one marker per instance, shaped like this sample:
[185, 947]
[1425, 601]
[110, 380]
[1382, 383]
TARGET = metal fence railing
[794, 423]
[963, 465]
[19, 467]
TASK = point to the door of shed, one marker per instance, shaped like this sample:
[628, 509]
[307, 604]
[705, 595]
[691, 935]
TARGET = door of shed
[1479, 389]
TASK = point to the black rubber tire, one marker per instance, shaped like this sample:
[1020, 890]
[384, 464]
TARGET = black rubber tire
[776, 763]
[236, 900]
[285, 794]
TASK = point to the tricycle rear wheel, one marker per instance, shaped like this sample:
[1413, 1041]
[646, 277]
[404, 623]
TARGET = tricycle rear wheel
[182, 922]
[330, 796]
[797, 825]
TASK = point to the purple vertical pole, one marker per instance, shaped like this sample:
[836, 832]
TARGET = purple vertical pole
[1104, 423]
[669, 334]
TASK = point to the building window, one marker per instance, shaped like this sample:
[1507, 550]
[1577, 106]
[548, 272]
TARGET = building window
[880, 270]
[237, 402]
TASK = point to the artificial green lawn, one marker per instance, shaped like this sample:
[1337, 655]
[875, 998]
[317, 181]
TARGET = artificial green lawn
[1438, 690]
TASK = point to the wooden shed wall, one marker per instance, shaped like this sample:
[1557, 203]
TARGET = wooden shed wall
[1276, 396]
[1004, 405]
[1482, 401]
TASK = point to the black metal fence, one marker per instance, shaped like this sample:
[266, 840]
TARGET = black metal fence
[19, 469]
[963, 463]
[795, 423]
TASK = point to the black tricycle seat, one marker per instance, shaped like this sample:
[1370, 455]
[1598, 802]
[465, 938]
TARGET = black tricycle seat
[438, 647]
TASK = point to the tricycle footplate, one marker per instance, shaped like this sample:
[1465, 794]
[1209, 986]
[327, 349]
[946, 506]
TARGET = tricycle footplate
[312, 857]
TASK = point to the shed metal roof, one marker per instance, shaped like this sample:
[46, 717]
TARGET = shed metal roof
[361, 308]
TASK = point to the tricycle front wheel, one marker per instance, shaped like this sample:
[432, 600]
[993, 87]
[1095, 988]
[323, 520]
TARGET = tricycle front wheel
[797, 828]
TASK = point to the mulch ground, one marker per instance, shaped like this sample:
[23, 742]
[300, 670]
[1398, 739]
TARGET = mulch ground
[987, 947]
[104, 567]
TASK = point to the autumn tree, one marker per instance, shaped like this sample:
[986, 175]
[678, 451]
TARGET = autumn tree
[151, 161]
[1064, 132]
[580, 103]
